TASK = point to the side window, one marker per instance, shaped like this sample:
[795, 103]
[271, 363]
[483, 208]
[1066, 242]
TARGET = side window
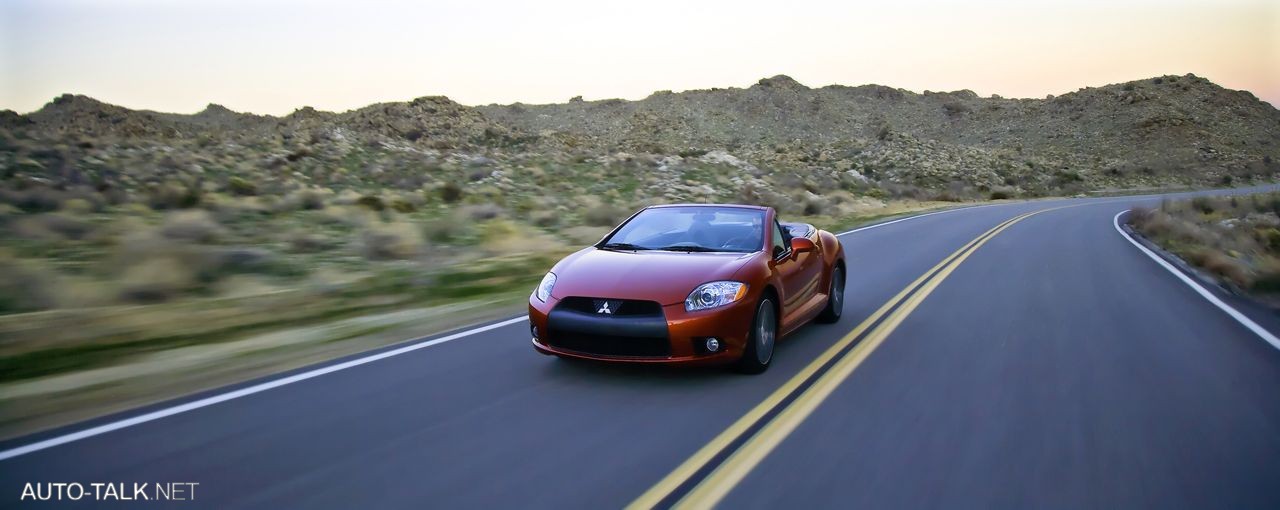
[779, 240]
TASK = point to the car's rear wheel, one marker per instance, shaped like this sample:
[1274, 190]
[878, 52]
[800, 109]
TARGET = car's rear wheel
[764, 334]
[835, 297]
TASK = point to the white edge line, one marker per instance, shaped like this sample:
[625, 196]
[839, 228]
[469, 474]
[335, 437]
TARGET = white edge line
[1235, 314]
[257, 388]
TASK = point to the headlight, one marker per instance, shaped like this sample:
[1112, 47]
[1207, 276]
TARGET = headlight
[714, 294]
[544, 288]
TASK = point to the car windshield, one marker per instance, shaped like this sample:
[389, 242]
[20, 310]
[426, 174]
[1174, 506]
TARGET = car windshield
[691, 229]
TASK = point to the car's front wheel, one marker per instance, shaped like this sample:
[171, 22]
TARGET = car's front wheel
[835, 297]
[764, 333]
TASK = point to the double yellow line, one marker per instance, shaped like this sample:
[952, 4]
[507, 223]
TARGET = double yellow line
[705, 478]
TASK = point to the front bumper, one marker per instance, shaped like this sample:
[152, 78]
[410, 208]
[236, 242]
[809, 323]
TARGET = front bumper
[685, 333]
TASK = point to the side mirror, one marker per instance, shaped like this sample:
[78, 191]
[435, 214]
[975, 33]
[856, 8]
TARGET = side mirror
[802, 244]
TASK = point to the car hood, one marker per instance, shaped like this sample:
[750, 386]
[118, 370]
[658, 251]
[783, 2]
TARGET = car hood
[665, 277]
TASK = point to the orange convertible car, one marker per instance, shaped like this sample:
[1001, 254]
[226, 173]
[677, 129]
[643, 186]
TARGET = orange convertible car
[690, 284]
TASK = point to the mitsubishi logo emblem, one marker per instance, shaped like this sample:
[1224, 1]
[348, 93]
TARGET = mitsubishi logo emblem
[605, 309]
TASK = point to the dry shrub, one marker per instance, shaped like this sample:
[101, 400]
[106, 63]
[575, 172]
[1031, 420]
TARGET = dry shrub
[1002, 193]
[52, 226]
[1160, 225]
[1205, 205]
[584, 234]
[224, 261]
[191, 226]
[503, 237]
[390, 242]
[305, 242]
[229, 207]
[158, 280]
[156, 267]
[815, 205]
[348, 216]
[1139, 216]
[172, 196]
[78, 292]
[303, 200]
[499, 235]
[441, 231]
[510, 239]
[244, 285]
[346, 197]
[900, 190]
[406, 203]
[749, 194]
[77, 206]
[36, 199]
[1267, 279]
[955, 191]
[545, 218]
[7, 213]
[603, 215]
[1269, 237]
[482, 212]
[1224, 266]
[26, 286]
[946, 196]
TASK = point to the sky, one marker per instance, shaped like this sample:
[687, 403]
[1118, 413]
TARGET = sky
[272, 57]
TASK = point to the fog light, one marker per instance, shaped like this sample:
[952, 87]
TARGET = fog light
[534, 330]
[713, 345]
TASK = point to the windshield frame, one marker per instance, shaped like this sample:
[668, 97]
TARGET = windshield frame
[764, 217]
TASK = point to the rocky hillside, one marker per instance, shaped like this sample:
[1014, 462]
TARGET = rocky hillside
[102, 205]
[775, 142]
[1168, 129]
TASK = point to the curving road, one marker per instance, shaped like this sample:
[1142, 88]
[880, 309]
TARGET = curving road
[1037, 360]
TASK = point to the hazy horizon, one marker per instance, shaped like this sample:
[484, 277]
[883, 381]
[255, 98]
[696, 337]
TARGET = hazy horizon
[275, 57]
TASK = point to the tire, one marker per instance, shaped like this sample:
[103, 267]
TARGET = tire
[761, 341]
[835, 297]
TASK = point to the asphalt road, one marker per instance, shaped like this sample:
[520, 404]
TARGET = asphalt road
[1056, 365]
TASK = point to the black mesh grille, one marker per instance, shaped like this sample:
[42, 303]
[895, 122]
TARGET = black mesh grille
[639, 347]
[609, 327]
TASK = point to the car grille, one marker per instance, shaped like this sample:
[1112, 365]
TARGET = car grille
[617, 307]
[634, 347]
[625, 328]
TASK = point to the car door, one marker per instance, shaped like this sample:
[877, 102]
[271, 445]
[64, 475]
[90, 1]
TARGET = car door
[797, 273]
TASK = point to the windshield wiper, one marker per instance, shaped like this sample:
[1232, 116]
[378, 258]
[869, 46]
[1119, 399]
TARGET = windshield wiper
[623, 246]
[688, 248]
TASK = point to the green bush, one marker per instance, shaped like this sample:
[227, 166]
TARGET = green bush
[451, 192]
[401, 205]
[240, 186]
[371, 202]
[1203, 204]
[172, 196]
